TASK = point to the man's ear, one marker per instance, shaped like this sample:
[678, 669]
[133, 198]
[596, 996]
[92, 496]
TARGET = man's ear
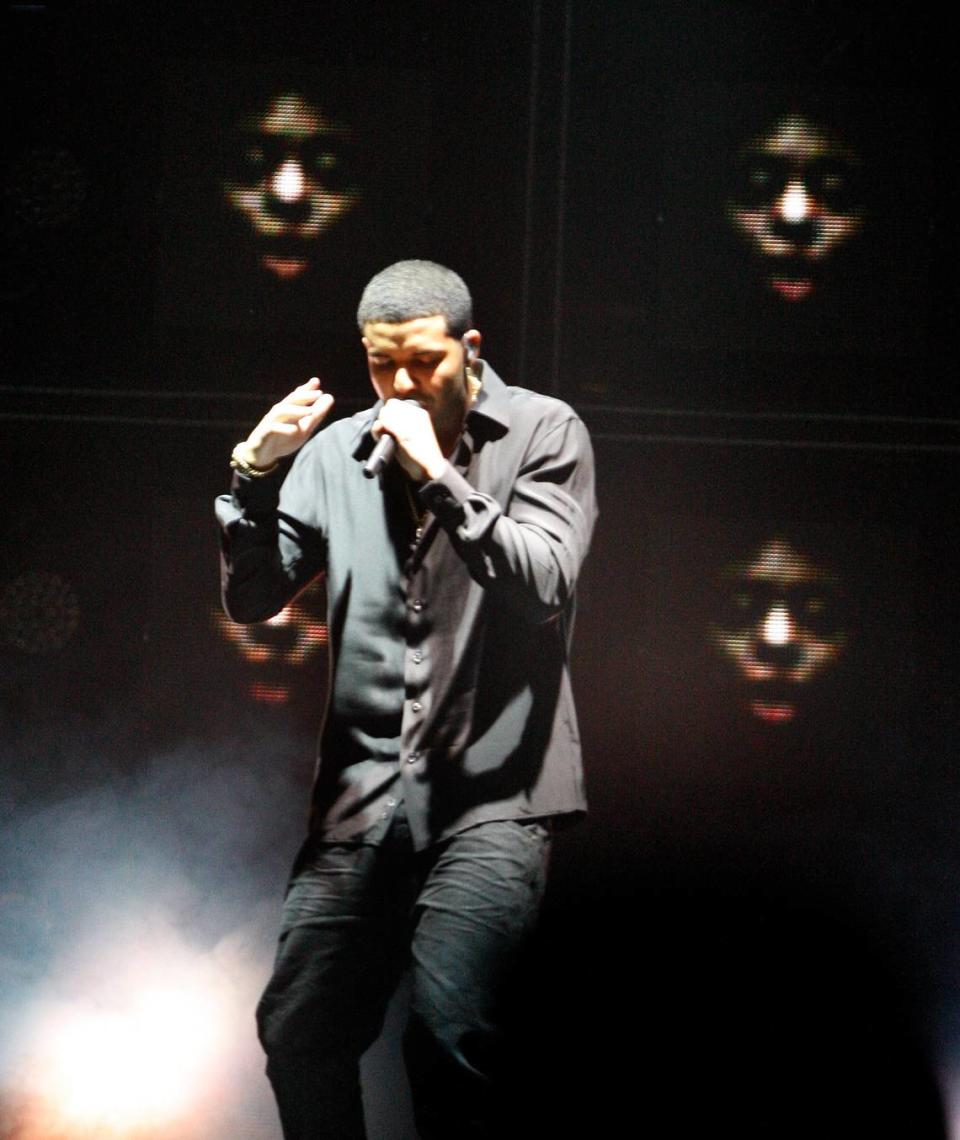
[471, 345]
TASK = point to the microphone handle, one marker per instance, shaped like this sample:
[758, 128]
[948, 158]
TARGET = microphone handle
[381, 456]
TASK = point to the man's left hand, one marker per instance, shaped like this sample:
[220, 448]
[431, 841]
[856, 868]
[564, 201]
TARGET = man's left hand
[418, 451]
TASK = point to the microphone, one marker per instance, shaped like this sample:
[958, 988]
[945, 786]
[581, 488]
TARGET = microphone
[383, 453]
[381, 456]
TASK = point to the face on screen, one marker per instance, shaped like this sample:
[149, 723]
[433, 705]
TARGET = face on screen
[795, 203]
[292, 180]
[274, 651]
[780, 625]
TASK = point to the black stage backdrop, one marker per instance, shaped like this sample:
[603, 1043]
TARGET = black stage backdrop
[725, 232]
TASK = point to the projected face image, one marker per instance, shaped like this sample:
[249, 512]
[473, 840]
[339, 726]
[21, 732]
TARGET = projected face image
[781, 626]
[292, 180]
[795, 203]
[276, 649]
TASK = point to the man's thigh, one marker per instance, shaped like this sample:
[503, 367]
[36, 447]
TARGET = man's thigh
[474, 914]
[340, 951]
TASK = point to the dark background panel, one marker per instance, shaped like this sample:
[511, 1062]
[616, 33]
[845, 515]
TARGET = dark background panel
[123, 271]
[74, 632]
[664, 305]
[773, 897]
[756, 925]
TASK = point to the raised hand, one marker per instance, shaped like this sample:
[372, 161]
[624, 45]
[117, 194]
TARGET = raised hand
[287, 426]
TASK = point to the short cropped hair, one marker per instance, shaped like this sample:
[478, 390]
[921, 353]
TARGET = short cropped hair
[410, 289]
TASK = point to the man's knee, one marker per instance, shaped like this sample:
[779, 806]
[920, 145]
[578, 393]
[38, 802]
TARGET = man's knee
[293, 1023]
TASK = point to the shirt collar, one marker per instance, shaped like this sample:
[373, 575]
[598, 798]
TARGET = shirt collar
[493, 399]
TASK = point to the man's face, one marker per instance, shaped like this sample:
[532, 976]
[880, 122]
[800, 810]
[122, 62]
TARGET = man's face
[795, 203]
[419, 360]
[291, 181]
[781, 627]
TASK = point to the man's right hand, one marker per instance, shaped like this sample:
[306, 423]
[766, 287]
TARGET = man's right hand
[287, 426]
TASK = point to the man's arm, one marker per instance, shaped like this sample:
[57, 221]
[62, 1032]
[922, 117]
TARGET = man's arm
[268, 556]
[530, 554]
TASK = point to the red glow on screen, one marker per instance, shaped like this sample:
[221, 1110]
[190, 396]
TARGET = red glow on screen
[275, 651]
[270, 694]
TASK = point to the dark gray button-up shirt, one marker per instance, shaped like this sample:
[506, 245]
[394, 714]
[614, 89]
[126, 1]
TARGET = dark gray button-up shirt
[450, 608]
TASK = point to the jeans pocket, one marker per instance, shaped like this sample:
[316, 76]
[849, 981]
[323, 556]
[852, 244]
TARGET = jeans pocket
[535, 830]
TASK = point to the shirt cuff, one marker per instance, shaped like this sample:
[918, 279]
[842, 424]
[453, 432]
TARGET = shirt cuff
[256, 496]
[445, 495]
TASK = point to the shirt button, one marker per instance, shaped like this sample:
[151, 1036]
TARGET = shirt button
[416, 706]
[416, 605]
[413, 757]
[417, 657]
[391, 802]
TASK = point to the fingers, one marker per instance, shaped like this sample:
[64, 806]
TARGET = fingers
[291, 408]
[289, 423]
[403, 417]
[312, 385]
[412, 427]
[320, 408]
[307, 394]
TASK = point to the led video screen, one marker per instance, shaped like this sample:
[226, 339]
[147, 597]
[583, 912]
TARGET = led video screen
[282, 195]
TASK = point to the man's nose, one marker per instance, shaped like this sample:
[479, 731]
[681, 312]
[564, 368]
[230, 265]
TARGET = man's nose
[793, 212]
[777, 643]
[402, 384]
[287, 191]
[287, 182]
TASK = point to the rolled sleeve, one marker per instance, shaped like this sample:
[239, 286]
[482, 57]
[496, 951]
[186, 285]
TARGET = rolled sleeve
[270, 548]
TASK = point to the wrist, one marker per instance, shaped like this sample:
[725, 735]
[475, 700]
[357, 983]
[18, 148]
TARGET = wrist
[245, 459]
[435, 469]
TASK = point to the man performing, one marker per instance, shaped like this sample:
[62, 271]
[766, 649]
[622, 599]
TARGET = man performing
[449, 751]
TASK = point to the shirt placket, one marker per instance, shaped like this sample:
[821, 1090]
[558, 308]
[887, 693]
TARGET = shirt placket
[416, 663]
[420, 622]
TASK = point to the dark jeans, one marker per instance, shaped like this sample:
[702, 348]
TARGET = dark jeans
[354, 917]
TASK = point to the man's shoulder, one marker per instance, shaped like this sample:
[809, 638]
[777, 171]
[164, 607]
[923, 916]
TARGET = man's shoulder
[528, 406]
[537, 411]
[538, 401]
